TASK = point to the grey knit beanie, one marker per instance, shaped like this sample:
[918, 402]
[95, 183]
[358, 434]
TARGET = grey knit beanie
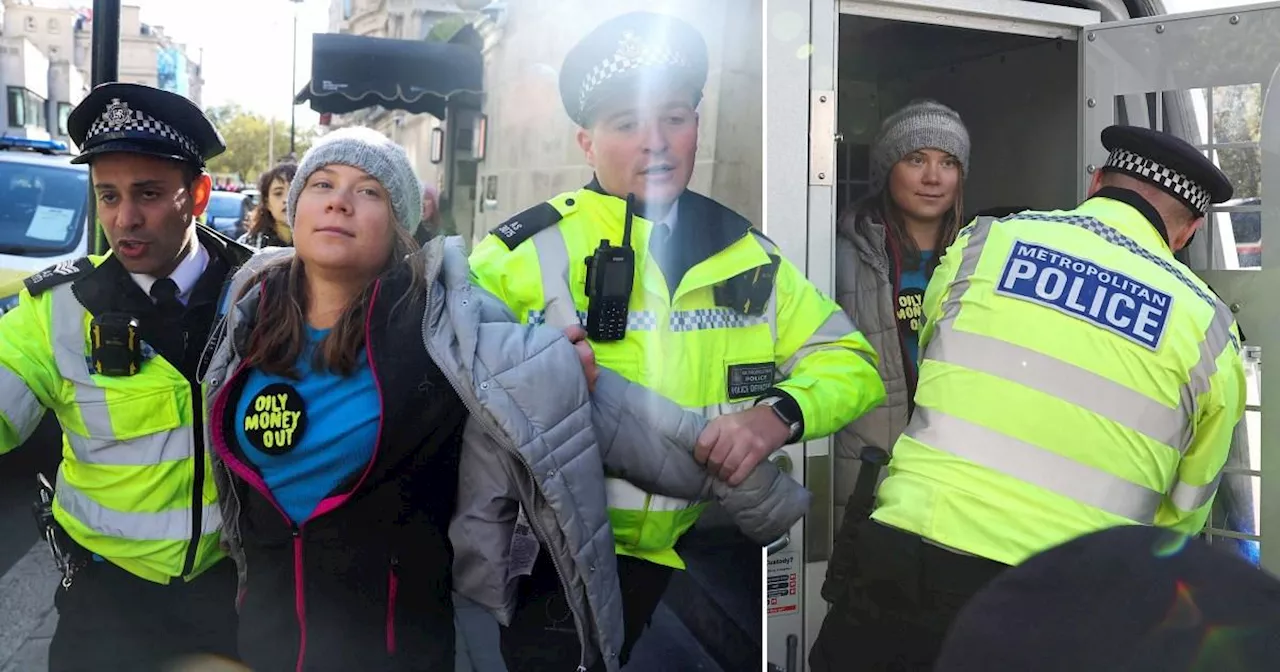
[921, 124]
[375, 154]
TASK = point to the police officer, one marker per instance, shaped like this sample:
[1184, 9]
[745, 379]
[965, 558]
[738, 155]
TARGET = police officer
[111, 344]
[706, 313]
[1075, 377]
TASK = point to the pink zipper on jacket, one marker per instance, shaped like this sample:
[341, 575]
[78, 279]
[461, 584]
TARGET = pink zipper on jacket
[327, 504]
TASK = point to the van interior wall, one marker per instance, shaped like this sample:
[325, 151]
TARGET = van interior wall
[1017, 95]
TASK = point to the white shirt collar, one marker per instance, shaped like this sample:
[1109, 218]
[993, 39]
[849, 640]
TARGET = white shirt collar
[672, 215]
[185, 275]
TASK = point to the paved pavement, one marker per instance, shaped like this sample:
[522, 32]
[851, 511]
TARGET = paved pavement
[28, 617]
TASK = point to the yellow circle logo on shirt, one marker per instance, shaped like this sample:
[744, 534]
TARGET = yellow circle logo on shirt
[275, 419]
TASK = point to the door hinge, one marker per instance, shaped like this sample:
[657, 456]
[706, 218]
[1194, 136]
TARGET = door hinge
[822, 138]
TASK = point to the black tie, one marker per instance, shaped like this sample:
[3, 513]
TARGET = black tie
[165, 293]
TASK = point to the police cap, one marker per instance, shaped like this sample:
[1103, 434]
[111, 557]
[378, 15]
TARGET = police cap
[1168, 162]
[623, 53]
[138, 119]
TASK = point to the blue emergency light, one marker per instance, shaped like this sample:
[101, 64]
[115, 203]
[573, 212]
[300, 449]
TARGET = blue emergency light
[11, 142]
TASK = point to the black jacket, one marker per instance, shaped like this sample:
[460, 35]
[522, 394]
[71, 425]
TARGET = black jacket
[364, 585]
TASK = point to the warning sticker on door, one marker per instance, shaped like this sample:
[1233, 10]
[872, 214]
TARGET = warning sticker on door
[780, 587]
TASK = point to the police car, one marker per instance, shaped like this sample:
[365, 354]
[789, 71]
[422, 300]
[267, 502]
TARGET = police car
[43, 211]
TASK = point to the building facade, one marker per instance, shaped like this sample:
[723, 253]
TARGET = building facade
[46, 61]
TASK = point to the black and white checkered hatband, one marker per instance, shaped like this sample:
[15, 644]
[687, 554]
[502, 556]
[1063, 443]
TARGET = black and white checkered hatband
[1180, 186]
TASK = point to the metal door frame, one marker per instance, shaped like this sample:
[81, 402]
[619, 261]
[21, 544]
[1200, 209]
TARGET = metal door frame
[1193, 50]
[800, 63]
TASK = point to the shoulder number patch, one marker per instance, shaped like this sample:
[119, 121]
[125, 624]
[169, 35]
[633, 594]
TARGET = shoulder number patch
[60, 273]
[526, 224]
[1084, 290]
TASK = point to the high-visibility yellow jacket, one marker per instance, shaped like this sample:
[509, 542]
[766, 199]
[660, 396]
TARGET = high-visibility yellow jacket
[126, 486]
[1074, 377]
[680, 343]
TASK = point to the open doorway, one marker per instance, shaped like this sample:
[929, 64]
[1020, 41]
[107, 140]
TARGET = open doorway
[1016, 94]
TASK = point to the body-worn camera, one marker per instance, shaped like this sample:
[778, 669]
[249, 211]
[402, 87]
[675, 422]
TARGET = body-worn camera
[748, 292]
[116, 345]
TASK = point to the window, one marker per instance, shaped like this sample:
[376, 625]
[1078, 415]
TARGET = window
[64, 111]
[347, 8]
[53, 26]
[35, 110]
[17, 109]
[31, 24]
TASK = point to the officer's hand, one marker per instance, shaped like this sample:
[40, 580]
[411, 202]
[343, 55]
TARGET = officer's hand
[578, 337]
[732, 445]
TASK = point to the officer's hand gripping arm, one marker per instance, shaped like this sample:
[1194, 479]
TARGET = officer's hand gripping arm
[818, 343]
[28, 375]
[648, 440]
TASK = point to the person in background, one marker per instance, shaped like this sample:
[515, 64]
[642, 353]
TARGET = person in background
[1074, 377]
[363, 393]
[269, 225]
[887, 247]
[431, 219]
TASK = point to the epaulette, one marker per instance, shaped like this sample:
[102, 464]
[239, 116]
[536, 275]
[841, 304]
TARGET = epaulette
[60, 273]
[527, 224]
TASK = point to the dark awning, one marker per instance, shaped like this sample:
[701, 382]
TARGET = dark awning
[352, 72]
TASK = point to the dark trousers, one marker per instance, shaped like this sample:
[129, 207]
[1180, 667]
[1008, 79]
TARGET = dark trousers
[893, 596]
[112, 620]
[542, 636]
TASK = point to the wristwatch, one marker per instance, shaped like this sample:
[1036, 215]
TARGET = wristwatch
[794, 425]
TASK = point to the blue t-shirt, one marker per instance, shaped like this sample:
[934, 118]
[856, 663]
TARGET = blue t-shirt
[308, 436]
[910, 304]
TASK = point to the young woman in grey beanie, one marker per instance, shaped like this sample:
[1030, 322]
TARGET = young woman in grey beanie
[382, 436]
[887, 246]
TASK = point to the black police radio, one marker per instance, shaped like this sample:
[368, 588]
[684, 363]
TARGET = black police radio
[610, 273]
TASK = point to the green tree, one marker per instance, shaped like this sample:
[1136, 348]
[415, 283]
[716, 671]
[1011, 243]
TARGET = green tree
[248, 138]
[1237, 117]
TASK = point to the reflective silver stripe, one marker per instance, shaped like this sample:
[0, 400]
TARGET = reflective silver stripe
[1189, 497]
[716, 410]
[1061, 380]
[623, 495]
[18, 405]
[835, 327]
[977, 232]
[70, 340]
[1216, 340]
[1034, 465]
[553, 262]
[166, 446]
[171, 525]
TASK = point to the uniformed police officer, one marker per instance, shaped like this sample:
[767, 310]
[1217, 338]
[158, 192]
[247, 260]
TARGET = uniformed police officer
[111, 345]
[1075, 377]
[709, 314]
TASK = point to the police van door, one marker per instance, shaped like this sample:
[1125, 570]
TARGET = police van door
[1211, 78]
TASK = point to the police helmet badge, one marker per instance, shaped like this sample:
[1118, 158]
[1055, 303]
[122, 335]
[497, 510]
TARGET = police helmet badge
[117, 114]
[629, 47]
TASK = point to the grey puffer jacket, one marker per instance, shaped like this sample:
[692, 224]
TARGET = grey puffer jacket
[542, 454]
[865, 290]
